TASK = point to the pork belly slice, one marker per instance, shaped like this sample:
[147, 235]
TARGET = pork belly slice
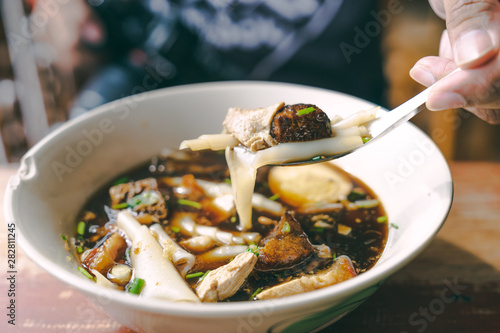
[252, 127]
[286, 246]
[341, 270]
[226, 280]
[150, 209]
[102, 258]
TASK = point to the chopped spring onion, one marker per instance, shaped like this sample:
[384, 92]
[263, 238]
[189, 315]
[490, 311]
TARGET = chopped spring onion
[127, 255]
[233, 219]
[134, 201]
[146, 198]
[317, 158]
[382, 219]
[175, 229]
[253, 248]
[286, 227]
[204, 276]
[356, 195]
[334, 257]
[64, 238]
[255, 293]
[394, 226]
[122, 205]
[366, 139]
[227, 180]
[317, 229]
[194, 275]
[81, 228]
[136, 286]
[306, 111]
[190, 203]
[274, 197]
[121, 180]
[84, 272]
[367, 203]
[79, 250]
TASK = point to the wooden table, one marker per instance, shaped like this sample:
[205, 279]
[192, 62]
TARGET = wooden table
[453, 286]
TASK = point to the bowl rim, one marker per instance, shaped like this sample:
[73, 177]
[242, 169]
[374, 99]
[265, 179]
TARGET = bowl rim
[375, 275]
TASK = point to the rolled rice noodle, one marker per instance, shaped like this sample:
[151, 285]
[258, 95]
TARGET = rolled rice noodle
[222, 253]
[210, 141]
[356, 119]
[182, 259]
[161, 278]
[188, 226]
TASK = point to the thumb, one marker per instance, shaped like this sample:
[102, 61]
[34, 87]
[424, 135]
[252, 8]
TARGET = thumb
[473, 28]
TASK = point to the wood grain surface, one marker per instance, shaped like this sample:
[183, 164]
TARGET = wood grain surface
[453, 286]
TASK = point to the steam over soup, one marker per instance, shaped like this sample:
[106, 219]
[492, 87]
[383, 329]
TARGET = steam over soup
[170, 230]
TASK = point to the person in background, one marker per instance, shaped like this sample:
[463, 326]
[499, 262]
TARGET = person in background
[149, 44]
[471, 42]
[333, 44]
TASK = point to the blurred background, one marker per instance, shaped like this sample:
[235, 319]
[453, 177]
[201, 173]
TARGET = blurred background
[60, 58]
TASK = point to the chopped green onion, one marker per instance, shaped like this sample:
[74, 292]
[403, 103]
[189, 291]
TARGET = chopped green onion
[306, 111]
[255, 293]
[366, 139]
[64, 238]
[194, 275]
[120, 205]
[121, 180]
[204, 276]
[334, 257]
[127, 255]
[274, 197]
[175, 229]
[190, 203]
[286, 227]
[253, 248]
[317, 158]
[146, 198]
[79, 250]
[84, 272]
[136, 286]
[382, 219]
[356, 195]
[394, 226]
[233, 219]
[81, 228]
[227, 181]
[366, 203]
[317, 229]
[134, 201]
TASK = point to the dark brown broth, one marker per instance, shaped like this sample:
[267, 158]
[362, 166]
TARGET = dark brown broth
[363, 245]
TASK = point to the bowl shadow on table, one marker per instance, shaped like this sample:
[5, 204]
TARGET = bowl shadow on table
[444, 289]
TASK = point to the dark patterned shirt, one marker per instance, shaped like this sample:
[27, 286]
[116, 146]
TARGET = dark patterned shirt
[296, 41]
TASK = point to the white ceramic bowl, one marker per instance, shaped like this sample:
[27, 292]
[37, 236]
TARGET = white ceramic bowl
[58, 175]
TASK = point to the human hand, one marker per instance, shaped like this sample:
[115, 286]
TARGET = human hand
[470, 42]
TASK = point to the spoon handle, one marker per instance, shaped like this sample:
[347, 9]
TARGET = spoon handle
[401, 114]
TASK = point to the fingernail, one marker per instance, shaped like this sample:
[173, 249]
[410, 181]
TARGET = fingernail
[422, 75]
[445, 100]
[473, 48]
